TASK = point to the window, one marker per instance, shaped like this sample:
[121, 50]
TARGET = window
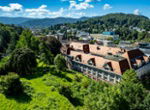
[109, 53]
[107, 66]
[105, 77]
[99, 75]
[91, 62]
[111, 78]
[98, 48]
[89, 71]
[78, 58]
[94, 73]
[84, 69]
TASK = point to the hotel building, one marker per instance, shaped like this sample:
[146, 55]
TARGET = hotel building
[104, 63]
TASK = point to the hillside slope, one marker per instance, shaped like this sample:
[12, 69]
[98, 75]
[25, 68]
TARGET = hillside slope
[45, 94]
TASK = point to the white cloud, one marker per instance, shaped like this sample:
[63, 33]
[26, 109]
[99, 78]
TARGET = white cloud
[80, 0]
[75, 14]
[107, 7]
[88, 1]
[137, 12]
[17, 10]
[64, 0]
[11, 7]
[80, 6]
[42, 12]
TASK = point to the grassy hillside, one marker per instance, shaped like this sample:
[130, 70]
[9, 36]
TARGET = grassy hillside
[45, 93]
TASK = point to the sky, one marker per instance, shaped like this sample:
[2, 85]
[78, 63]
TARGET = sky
[72, 8]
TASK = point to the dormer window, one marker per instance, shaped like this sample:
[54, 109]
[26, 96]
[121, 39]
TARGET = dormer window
[146, 59]
[140, 61]
[108, 66]
[143, 62]
[78, 58]
[98, 48]
[109, 53]
[91, 62]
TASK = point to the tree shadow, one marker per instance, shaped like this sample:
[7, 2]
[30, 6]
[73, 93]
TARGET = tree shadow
[38, 72]
[71, 71]
[76, 101]
[68, 93]
[61, 75]
[20, 97]
[145, 79]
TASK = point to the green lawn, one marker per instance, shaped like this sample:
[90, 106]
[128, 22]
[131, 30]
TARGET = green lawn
[45, 94]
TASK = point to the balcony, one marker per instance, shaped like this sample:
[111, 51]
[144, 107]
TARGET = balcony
[96, 73]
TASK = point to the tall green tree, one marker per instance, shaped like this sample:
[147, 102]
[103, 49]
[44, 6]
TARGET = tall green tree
[132, 90]
[60, 62]
[27, 40]
[53, 44]
[22, 61]
[45, 54]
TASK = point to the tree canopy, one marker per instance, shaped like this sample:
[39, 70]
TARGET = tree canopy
[53, 44]
[22, 61]
[60, 62]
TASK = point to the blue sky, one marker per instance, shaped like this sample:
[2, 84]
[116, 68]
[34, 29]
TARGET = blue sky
[71, 8]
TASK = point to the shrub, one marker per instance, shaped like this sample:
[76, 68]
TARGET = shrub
[66, 91]
[77, 78]
[4, 65]
[10, 84]
[27, 89]
[145, 79]
[3, 71]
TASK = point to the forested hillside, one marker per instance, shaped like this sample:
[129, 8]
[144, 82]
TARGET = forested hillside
[13, 20]
[37, 22]
[46, 22]
[113, 21]
[128, 26]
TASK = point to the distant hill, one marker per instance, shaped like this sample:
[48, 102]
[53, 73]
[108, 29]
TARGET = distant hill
[127, 26]
[115, 20]
[38, 23]
[46, 22]
[13, 20]
[109, 22]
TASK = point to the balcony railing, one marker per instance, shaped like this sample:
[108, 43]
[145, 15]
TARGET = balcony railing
[96, 72]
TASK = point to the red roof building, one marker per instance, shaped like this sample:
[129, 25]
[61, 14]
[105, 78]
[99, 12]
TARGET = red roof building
[103, 63]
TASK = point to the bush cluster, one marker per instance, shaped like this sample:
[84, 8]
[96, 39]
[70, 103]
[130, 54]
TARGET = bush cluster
[10, 84]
